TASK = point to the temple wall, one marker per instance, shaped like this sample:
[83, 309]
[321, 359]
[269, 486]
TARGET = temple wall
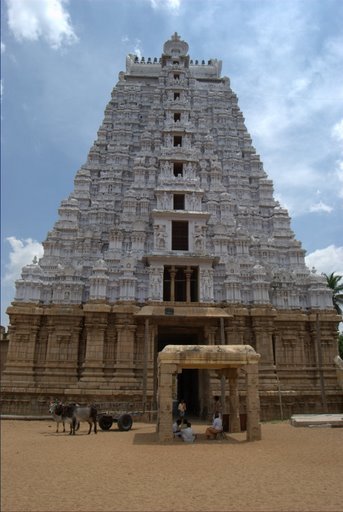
[4, 342]
[96, 354]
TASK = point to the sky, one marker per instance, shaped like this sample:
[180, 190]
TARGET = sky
[60, 60]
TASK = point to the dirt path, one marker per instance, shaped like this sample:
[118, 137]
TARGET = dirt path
[291, 469]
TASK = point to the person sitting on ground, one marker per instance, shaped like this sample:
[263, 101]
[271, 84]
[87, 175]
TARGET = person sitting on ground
[217, 427]
[177, 428]
[187, 433]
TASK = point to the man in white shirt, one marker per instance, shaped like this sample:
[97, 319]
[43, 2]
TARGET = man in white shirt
[217, 427]
[187, 433]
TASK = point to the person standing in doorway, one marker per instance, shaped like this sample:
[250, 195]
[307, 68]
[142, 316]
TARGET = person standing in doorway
[182, 408]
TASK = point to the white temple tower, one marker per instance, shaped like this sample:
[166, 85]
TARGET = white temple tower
[170, 236]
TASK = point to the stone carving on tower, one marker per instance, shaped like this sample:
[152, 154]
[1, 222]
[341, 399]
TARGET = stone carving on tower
[171, 208]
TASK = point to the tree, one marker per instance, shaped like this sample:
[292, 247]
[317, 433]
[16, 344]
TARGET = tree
[333, 282]
[340, 345]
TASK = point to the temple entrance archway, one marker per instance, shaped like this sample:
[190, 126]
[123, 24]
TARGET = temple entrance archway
[187, 381]
[226, 361]
[178, 325]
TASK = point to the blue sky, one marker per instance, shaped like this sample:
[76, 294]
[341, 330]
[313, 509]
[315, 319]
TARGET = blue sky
[60, 60]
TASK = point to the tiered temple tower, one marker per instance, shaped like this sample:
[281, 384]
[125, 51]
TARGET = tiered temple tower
[170, 236]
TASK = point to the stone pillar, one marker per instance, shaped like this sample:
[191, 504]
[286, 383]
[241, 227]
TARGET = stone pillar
[210, 334]
[145, 363]
[153, 364]
[188, 273]
[172, 273]
[252, 403]
[263, 328]
[166, 373]
[264, 345]
[96, 321]
[236, 328]
[232, 375]
[94, 360]
[19, 371]
[124, 376]
[24, 329]
[61, 363]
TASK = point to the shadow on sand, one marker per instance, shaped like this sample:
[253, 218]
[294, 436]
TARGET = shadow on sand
[152, 438]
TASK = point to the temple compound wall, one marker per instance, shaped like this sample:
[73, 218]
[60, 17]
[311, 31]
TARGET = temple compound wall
[170, 236]
[108, 354]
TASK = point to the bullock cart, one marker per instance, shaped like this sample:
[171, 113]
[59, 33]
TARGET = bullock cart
[107, 418]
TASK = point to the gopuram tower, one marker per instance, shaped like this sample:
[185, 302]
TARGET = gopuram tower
[170, 236]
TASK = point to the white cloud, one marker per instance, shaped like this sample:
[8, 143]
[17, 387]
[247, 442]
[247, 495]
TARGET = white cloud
[337, 130]
[37, 19]
[3, 47]
[134, 46]
[22, 253]
[321, 207]
[172, 5]
[299, 85]
[327, 260]
[339, 174]
[337, 133]
[289, 111]
[137, 50]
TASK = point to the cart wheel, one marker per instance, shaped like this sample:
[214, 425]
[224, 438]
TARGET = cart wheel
[125, 422]
[105, 422]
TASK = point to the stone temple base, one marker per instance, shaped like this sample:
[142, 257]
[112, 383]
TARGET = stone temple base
[107, 354]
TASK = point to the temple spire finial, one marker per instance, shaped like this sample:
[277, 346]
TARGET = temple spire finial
[175, 46]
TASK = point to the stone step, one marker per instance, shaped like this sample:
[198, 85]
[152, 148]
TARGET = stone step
[317, 420]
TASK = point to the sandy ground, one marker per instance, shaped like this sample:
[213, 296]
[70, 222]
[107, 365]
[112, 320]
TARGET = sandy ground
[291, 469]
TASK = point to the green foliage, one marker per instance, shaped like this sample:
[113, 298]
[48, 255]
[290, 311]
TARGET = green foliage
[340, 346]
[333, 282]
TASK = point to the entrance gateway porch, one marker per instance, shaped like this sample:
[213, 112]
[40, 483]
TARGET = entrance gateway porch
[201, 327]
[226, 361]
[175, 324]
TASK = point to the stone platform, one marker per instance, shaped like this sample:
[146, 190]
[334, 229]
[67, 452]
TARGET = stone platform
[317, 420]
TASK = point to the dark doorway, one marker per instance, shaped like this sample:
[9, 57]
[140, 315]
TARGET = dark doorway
[178, 169]
[168, 335]
[188, 380]
[188, 390]
[179, 201]
[179, 235]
